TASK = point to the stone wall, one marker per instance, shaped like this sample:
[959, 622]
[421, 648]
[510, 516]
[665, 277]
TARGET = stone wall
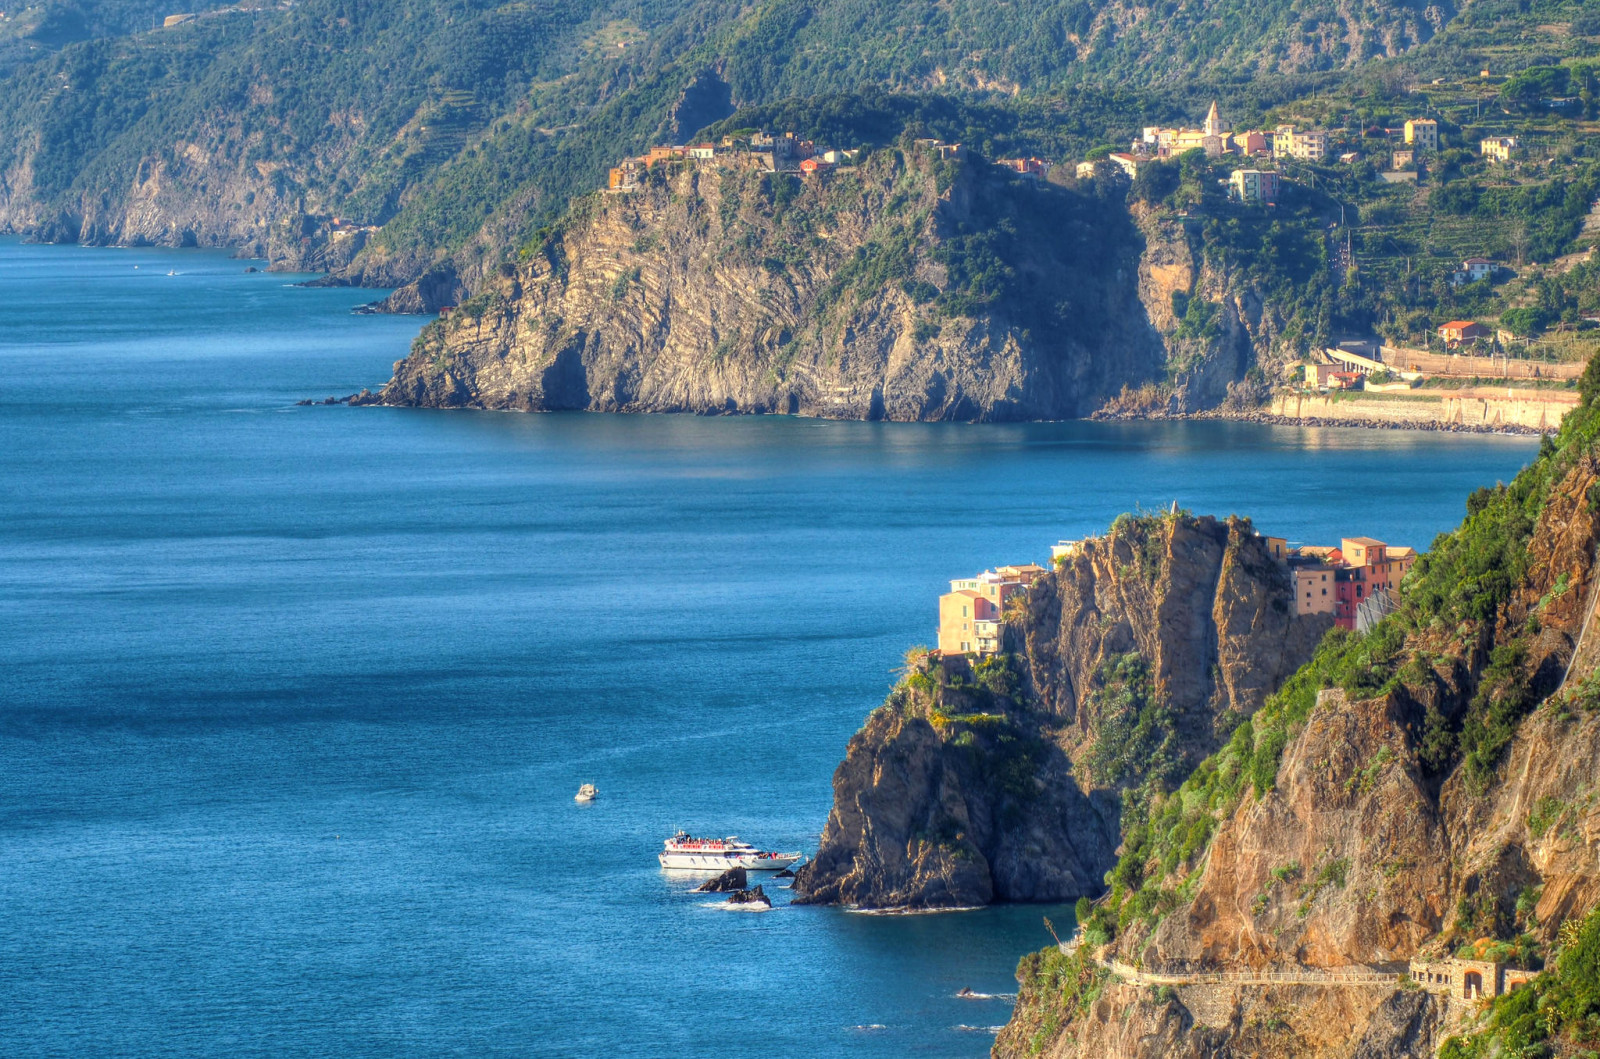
[1523, 414]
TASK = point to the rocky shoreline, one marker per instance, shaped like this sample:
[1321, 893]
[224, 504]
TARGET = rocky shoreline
[1273, 419]
[367, 397]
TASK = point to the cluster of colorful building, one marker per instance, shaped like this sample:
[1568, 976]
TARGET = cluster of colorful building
[772, 153]
[1260, 186]
[1327, 580]
[1339, 581]
[971, 614]
[1216, 138]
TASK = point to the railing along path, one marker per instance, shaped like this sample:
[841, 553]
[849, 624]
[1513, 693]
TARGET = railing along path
[1297, 976]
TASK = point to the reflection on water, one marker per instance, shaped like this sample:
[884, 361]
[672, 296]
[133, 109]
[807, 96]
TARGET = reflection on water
[297, 698]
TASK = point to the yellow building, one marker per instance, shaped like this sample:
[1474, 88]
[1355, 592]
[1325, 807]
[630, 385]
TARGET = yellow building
[1498, 148]
[1308, 146]
[1423, 134]
[1314, 589]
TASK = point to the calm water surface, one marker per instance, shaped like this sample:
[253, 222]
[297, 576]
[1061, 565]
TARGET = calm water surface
[295, 699]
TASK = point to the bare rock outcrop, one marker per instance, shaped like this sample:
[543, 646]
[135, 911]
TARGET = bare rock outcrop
[907, 288]
[1003, 781]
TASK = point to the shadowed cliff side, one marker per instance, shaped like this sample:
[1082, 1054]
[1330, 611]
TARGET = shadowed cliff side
[908, 287]
[1428, 789]
[1004, 781]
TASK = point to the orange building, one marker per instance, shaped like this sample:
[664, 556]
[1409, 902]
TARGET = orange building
[663, 154]
[970, 614]
[1366, 567]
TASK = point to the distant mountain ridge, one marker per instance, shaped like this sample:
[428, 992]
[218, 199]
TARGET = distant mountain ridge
[453, 130]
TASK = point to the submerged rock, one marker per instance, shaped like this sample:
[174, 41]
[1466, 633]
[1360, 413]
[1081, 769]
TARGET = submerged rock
[753, 896]
[730, 880]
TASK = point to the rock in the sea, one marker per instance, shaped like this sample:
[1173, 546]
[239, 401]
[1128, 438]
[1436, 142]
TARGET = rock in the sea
[729, 881]
[251, 269]
[784, 874]
[749, 897]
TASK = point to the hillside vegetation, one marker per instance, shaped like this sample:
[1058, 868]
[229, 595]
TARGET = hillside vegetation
[459, 128]
[1425, 788]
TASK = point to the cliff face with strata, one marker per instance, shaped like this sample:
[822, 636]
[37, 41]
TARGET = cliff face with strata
[905, 288]
[1451, 799]
[1004, 783]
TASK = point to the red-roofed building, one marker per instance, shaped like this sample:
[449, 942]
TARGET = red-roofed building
[1462, 331]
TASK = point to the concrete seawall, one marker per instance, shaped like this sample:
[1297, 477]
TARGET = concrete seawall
[1524, 413]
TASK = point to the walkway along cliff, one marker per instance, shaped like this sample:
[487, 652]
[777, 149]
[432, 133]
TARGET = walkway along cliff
[1423, 796]
[1004, 780]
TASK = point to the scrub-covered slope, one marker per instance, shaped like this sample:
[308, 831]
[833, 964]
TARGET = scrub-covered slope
[1429, 788]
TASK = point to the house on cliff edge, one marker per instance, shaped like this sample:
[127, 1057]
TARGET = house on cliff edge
[971, 614]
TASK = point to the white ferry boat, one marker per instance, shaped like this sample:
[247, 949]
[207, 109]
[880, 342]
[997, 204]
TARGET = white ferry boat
[719, 854]
[586, 793]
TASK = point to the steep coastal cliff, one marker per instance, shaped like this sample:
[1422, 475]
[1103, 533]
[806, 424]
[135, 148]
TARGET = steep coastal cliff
[909, 287]
[1428, 789]
[1005, 782]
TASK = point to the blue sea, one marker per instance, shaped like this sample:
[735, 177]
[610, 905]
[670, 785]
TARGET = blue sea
[295, 699]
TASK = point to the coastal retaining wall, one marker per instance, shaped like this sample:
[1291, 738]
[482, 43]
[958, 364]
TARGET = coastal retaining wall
[1486, 367]
[1425, 411]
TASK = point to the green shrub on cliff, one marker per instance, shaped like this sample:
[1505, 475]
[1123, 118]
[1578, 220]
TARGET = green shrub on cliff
[1055, 986]
[1136, 732]
[1557, 1013]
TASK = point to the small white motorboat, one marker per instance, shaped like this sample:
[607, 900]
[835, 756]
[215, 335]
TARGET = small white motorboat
[586, 793]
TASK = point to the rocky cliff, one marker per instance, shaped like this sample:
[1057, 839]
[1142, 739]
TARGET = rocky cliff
[907, 287]
[1005, 782]
[1431, 786]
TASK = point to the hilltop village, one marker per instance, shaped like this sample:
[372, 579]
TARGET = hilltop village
[1260, 184]
[1353, 582]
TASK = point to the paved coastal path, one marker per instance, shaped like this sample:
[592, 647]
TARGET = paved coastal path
[1355, 975]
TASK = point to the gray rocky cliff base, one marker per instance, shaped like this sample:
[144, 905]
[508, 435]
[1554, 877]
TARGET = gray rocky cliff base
[907, 288]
